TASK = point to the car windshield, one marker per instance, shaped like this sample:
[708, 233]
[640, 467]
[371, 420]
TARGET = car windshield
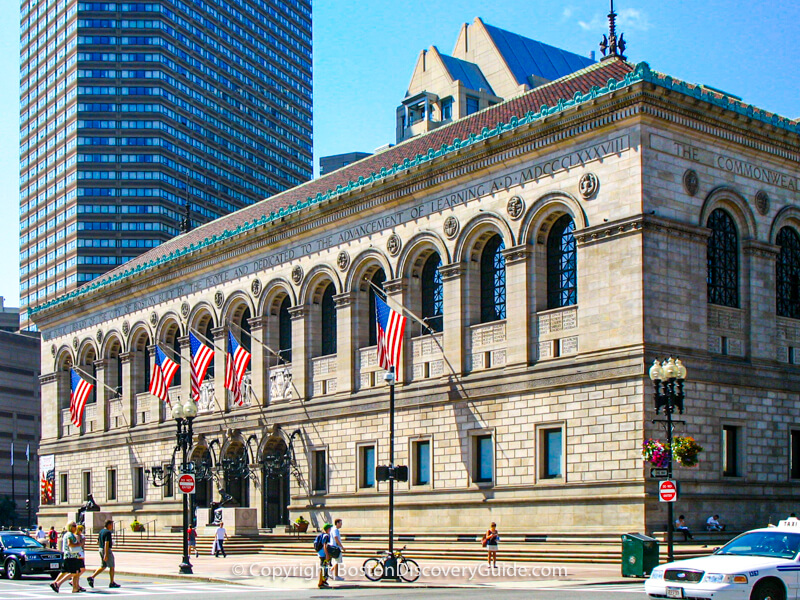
[777, 544]
[19, 541]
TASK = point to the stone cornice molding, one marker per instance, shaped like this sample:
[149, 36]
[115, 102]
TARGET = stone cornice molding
[343, 300]
[393, 287]
[127, 357]
[452, 271]
[49, 378]
[517, 253]
[259, 322]
[606, 231]
[761, 249]
[297, 312]
[676, 229]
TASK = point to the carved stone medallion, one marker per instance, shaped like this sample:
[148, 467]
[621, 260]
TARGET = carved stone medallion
[185, 308]
[762, 202]
[219, 298]
[691, 182]
[153, 319]
[343, 260]
[451, 227]
[255, 287]
[75, 343]
[515, 207]
[126, 328]
[53, 350]
[297, 274]
[588, 185]
[393, 244]
[99, 336]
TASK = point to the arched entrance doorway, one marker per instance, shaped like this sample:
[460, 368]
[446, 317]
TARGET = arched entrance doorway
[235, 465]
[275, 473]
[204, 488]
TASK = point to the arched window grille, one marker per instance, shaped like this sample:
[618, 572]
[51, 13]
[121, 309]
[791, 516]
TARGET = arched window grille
[244, 335]
[787, 285]
[433, 293]
[562, 264]
[377, 280]
[493, 281]
[208, 335]
[723, 260]
[285, 331]
[328, 310]
[176, 356]
[147, 360]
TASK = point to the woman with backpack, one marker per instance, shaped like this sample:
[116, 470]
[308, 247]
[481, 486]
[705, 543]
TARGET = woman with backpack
[490, 539]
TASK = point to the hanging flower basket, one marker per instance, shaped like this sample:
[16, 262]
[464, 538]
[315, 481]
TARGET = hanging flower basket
[686, 451]
[655, 453]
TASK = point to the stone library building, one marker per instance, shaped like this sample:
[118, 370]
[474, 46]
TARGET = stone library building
[551, 244]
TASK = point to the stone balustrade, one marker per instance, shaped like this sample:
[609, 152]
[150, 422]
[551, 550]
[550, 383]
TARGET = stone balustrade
[487, 346]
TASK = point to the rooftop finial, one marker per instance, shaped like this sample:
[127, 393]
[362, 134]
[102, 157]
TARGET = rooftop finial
[610, 45]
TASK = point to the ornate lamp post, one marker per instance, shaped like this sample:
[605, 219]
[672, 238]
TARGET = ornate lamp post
[183, 414]
[668, 379]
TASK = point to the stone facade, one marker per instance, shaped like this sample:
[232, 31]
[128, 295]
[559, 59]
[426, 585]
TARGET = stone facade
[615, 161]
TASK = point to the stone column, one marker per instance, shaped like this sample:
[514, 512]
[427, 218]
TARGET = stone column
[103, 373]
[258, 360]
[301, 353]
[129, 378]
[52, 390]
[220, 348]
[760, 259]
[345, 348]
[396, 295]
[517, 306]
[454, 329]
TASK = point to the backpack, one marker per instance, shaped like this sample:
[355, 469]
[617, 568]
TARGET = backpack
[319, 542]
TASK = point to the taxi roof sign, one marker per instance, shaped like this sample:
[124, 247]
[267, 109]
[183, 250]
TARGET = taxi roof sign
[790, 523]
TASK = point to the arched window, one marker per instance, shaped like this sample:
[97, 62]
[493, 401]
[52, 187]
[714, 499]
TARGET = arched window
[723, 260]
[244, 335]
[328, 310]
[208, 335]
[377, 280]
[147, 360]
[493, 281]
[176, 356]
[285, 331]
[562, 264]
[433, 293]
[787, 285]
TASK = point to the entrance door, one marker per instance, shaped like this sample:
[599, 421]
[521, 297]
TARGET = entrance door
[276, 499]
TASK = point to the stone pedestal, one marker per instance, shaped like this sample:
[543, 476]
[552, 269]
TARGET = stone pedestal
[240, 521]
[95, 521]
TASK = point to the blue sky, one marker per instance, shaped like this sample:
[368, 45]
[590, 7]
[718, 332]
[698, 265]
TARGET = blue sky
[364, 53]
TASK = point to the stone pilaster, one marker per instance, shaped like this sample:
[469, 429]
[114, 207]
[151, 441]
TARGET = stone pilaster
[258, 362]
[345, 336]
[518, 320]
[453, 277]
[130, 376]
[53, 387]
[759, 267]
[186, 365]
[301, 353]
[396, 290]
[105, 380]
[219, 344]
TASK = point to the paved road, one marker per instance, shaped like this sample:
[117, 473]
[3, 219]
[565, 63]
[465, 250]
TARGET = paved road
[143, 587]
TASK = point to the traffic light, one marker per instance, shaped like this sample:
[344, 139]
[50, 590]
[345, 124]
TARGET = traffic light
[27, 503]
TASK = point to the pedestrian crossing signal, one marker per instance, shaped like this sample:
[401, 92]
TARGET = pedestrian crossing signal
[386, 473]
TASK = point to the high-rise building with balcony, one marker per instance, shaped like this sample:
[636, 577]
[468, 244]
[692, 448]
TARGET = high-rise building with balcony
[131, 110]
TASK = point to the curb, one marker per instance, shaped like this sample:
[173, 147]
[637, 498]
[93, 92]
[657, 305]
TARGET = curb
[179, 576]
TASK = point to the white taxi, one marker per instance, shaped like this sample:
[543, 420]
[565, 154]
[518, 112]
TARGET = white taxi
[761, 564]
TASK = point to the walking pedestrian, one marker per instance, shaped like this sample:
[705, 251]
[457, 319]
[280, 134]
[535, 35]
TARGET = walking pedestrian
[81, 550]
[219, 538]
[322, 547]
[336, 540]
[52, 537]
[71, 564]
[105, 543]
[191, 536]
[490, 539]
[41, 536]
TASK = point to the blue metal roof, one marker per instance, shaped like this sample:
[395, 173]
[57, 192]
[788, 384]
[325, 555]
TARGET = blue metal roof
[526, 57]
[467, 73]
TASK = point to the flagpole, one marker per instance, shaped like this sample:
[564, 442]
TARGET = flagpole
[28, 502]
[110, 389]
[171, 351]
[13, 487]
[205, 339]
[405, 311]
[254, 338]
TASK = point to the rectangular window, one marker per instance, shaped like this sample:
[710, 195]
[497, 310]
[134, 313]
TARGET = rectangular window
[794, 455]
[421, 451]
[473, 105]
[367, 465]
[111, 484]
[730, 450]
[320, 466]
[86, 485]
[168, 487]
[484, 458]
[551, 453]
[138, 483]
[447, 109]
[63, 487]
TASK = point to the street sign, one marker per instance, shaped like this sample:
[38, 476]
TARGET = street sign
[667, 491]
[186, 483]
[658, 473]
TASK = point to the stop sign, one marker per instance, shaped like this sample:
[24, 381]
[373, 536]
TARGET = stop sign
[667, 491]
[186, 483]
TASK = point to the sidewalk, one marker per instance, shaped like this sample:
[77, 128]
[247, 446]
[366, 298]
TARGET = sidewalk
[263, 570]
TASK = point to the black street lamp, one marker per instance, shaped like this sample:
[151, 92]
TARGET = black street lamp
[183, 415]
[668, 379]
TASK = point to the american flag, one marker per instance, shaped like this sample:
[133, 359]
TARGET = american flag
[161, 377]
[391, 325]
[77, 399]
[235, 367]
[202, 356]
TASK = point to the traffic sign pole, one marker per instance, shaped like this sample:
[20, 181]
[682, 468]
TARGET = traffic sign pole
[186, 483]
[667, 491]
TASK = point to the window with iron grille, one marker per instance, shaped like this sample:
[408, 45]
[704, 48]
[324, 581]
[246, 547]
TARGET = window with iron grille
[377, 280]
[562, 264]
[493, 281]
[723, 260]
[328, 310]
[433, 293]
[787, 284]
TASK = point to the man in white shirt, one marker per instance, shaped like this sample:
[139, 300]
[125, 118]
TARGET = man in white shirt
[336, 540]
[713, 524]
[41, 536]
[219, 537]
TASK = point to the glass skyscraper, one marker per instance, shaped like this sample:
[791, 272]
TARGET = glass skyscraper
[131, 109]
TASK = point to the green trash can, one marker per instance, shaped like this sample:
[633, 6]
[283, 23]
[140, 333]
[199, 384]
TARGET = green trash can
[639, 555]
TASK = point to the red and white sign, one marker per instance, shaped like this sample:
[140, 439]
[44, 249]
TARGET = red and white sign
[186, 483]
[667, 491]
